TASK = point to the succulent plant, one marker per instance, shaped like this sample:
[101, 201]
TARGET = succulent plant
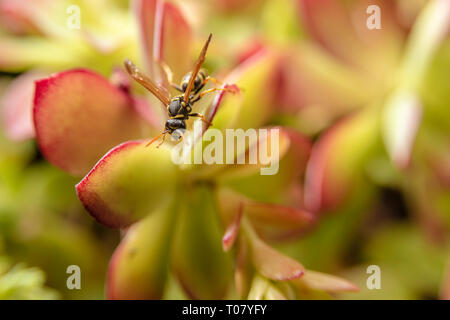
[173, 214]
[360, 116]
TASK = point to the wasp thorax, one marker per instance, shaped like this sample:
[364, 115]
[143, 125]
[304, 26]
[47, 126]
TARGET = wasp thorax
[176, 106]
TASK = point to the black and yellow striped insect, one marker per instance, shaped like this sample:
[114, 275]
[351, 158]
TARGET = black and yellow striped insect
[179, 107]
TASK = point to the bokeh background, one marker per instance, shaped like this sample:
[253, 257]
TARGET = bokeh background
[374, 103]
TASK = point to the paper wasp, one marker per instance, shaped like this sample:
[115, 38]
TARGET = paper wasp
[179, 107]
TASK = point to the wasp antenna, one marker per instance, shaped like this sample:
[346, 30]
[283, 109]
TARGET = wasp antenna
[130, 67]
[153, 140]
[196, 69]
[205, 46]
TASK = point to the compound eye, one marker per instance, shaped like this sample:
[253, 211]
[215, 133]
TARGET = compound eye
[184, 86]
[197, 82]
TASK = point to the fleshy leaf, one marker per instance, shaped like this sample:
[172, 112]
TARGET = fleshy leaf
[341, 28]
[165, 34]
[243, 269]
[274, 186]
[199, 262]
[79, 115]
[271, 263]
[324, 282]
[277, 221]
[145, 12]
[325, 17]
[403, 110]
[258, 288]
[139, 266]
[271, 221]
[273, 293]
[22, 17]
[355, 71]
[19, 54]
[16, 104]
[256, 78]
[263, 289]
[218, 99]
[128, 183]
[337, 160]
[280, 31]
[232, 230]
[173, 36]
[428, 33]
[402, 118]
[247, 159]
[306, 72]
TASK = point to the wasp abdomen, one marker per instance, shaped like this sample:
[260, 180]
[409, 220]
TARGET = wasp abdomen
[198, 83]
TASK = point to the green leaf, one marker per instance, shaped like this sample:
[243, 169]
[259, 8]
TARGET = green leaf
[202, 267]
[79, 116]
[128, 183]
[139, 266]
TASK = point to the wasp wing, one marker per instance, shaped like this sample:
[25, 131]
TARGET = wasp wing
[197, 67]
[157, 90]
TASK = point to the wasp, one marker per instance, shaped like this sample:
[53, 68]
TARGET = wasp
[179, 107]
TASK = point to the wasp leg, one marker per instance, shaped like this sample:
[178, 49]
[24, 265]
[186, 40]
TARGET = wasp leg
[212, 80]
[210, 91]
[163, 134]
[214, 90]
[232, 88]
[202, 117]
[217, 82]
[169, 76]
[162, 141]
